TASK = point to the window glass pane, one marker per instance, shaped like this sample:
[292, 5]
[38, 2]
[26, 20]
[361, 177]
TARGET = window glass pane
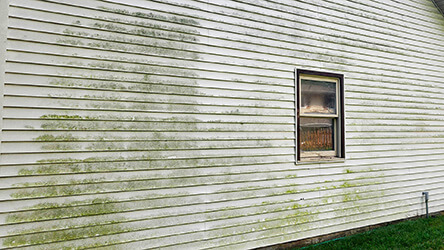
[317, 134]
[318, 97]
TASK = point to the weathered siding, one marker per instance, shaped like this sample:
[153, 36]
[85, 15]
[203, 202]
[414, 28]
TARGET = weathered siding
[135, 123]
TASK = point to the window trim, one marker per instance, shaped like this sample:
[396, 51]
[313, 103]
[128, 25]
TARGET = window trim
[340, 111]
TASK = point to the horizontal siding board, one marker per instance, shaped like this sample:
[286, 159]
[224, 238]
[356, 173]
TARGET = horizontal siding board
[69, 125]
[30, 134]
[103, 87]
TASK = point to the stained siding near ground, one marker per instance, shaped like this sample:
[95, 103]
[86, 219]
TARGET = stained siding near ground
[133, 124]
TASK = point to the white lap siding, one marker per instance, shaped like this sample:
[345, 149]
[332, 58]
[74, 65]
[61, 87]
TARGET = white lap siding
[170, 124]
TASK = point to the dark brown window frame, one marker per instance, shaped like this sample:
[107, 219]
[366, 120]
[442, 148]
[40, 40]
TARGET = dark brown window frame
[341, 118]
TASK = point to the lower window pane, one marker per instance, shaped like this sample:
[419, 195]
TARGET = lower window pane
[317, 134]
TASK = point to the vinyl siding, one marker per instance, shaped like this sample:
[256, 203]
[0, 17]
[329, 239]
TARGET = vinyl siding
[170, 124]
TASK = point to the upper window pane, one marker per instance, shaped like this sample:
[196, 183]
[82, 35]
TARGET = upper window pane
[318, 97]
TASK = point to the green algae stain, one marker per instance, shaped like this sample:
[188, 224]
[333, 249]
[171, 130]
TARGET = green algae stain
[46, 211]
[65, 230]
[61, 218]
[360, 197]
[276, 218]
[151, 15]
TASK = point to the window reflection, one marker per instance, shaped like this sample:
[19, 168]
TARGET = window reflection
[318, 97]
[317, 134]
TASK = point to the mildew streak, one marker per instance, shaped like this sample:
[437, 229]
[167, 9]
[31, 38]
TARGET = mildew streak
[91, 227]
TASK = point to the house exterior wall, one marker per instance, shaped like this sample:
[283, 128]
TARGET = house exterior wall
[170, 124]
[3, 30]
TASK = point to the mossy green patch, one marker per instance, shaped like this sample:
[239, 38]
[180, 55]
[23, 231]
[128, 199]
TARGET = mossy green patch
[151, 15]
[63, 137]
[61, 216]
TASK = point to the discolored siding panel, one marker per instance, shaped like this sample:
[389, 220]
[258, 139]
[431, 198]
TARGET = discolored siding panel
[170, 124]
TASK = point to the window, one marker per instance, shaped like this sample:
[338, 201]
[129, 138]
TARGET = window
[319, 116]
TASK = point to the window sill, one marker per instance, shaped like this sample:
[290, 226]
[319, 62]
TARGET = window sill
[318, 160]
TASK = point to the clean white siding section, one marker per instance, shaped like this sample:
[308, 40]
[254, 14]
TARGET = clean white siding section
[170, 124]
[3, 37]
